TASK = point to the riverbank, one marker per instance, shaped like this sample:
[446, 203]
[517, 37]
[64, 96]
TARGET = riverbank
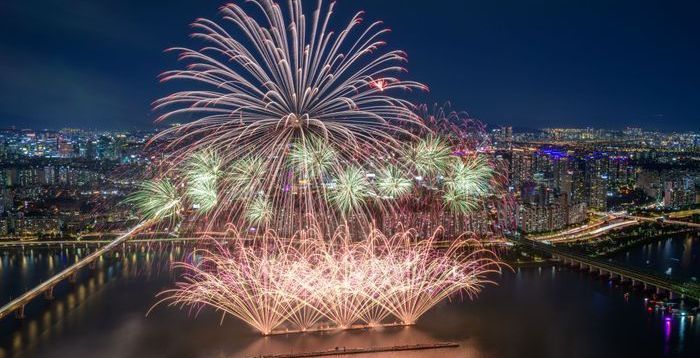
[625, 243]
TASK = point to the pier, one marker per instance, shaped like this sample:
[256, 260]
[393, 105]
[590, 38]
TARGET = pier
[347, 351]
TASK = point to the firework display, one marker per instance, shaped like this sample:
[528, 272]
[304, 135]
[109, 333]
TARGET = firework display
[281, 91]
[309, 282]
[157, 200]
[300, 121]
[442, 178]
[354, 206]
[456, 183]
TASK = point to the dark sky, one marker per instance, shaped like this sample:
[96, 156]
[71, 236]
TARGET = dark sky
[609, 63]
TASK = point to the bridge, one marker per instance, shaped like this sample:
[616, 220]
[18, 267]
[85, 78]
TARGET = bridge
[686, 289]
[173, 240]
[85, 243]
[659, 220]
[586, 232]
[664, 221]
[606, 223]
[46, 288]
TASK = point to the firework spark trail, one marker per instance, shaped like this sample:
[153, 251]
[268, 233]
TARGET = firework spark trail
[298, 139]
[440, 181]
[281, 82]
[294, 120]
[309, 280]
[158, 200]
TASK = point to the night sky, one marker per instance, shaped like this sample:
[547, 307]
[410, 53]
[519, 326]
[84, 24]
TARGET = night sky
[612, 63]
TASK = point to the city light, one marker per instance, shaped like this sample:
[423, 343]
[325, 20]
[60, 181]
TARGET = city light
[291, 187]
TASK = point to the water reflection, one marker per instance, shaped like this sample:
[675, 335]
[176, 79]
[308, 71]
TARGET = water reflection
[26, 268]
[677, 256]
[544, 311]
[687, 252]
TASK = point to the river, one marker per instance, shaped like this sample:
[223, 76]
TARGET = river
[532, 312]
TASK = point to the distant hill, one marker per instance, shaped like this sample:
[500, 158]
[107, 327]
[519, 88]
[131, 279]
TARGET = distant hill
[516, 129]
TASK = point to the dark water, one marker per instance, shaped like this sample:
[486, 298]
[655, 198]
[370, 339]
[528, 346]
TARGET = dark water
[676, 257]
[534, 312]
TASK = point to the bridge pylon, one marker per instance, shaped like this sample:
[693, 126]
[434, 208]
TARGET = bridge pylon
[48, 294]
[19, 313]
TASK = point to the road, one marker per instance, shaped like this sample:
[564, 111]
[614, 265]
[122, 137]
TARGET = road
[664, 221]
[607, 222]
[586, 232]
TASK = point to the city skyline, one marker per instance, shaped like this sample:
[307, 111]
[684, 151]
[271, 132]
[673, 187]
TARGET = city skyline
[488, 126]
[296, 178]
[549, 69]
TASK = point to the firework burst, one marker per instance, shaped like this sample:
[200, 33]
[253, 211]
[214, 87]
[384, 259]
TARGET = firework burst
[157, 200]
[393, 183]
[351, 190]
[286, 94]
[308, 281]
[295, 134]
[429, 155]
[293, 120]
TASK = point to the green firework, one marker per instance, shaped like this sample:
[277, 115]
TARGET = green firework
[312, 157]
[259, 211]
[458, 202]
[203, 194]
[245, 175]
[157, 200]
[351, 190]
[203, 173]
[429, 155]
[393, 183]
[470, 177]
[467, 181]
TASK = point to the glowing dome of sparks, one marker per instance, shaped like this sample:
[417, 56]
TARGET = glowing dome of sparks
[309, 282]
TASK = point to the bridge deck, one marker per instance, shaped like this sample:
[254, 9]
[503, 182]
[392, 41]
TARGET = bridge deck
[687, 288]
[19, 302]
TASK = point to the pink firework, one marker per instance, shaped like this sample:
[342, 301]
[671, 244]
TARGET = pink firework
[310, 282]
